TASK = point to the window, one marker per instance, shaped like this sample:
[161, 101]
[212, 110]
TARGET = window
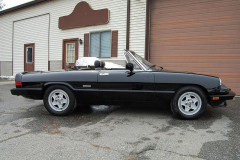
[70, 57]
[29, 55]
[100, 44]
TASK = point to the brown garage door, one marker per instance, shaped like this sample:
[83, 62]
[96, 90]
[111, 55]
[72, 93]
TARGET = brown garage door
[201, 36]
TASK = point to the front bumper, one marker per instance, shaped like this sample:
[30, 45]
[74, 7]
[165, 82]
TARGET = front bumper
[32, 93]
[221, 102]
[228, 96]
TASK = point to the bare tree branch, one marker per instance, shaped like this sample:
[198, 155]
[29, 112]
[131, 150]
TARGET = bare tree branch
[1, 4]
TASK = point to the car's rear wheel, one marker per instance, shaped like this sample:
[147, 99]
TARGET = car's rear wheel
[59, 100]
[189, 102]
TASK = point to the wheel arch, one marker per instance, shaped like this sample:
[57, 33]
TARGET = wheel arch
[47, 85]
[193, 85]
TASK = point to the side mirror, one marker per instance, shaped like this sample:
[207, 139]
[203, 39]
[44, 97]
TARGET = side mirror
[129, 66]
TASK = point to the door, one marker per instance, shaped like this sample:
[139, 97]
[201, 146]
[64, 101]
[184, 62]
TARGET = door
[197, 36]
[123, 85]
[29, 57]
[70, 53]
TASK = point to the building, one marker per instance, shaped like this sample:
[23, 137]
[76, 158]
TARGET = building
[201, 36]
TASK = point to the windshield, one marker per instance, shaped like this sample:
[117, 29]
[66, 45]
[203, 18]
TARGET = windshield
[142, 60]
[146, 64]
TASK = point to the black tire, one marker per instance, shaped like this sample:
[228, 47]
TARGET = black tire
[187, 108]
[67, 101]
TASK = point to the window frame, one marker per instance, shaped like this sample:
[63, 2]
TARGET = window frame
[99, 54]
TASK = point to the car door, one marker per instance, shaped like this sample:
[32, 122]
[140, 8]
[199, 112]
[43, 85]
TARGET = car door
[123, 85]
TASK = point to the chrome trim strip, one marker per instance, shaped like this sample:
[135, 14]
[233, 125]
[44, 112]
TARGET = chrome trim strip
[142, 91]
[87, 86]
[165, 91]
[108, 90]
[87, 90]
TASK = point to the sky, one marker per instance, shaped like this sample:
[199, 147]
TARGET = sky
[12, 3]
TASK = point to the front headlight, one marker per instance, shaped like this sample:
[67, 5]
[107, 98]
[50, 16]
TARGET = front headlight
[220, 81]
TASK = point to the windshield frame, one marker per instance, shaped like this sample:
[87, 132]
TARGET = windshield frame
[145, 66]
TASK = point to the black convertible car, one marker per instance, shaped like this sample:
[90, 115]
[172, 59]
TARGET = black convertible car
[187, 93]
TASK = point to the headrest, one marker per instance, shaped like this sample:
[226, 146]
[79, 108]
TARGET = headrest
[99, 64]
[102, 64]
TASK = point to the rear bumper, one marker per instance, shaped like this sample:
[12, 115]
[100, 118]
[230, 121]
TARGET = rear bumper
[222, 99]
[31, 93]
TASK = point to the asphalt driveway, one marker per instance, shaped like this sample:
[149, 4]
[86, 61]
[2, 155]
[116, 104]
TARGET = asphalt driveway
[28, 131]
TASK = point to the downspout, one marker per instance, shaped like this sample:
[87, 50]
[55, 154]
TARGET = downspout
[147, 31]
[128, 24]
[49, 21]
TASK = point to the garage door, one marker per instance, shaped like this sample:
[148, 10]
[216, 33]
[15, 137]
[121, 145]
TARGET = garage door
[201, 36]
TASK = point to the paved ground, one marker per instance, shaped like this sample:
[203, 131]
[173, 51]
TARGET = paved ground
[28, 131]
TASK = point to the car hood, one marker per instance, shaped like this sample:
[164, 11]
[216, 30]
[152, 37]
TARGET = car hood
[186, 72]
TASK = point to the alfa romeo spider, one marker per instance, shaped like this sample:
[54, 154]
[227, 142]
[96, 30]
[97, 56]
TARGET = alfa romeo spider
[187, 94]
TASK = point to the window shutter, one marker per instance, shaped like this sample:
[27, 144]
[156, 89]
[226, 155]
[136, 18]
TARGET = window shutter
[86, 45]
[114, 50]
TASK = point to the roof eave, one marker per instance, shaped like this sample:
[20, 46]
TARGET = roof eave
[22, 6]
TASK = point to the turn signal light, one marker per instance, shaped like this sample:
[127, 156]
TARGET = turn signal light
[215, 98]
[18, 83]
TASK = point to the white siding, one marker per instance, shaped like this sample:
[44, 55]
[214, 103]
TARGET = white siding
[118, 16]
[33, 30]
[137, 26]
[58, 8]
[6, 27]
[5, 38]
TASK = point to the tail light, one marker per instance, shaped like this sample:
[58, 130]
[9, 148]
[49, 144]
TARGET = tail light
[18, 84]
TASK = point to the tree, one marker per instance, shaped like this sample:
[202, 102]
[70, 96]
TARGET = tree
[1, 4]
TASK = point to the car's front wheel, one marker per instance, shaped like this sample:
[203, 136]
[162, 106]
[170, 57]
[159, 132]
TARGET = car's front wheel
[59, 100]
[189, 102]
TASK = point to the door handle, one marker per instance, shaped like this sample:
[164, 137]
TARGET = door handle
[103, 74]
